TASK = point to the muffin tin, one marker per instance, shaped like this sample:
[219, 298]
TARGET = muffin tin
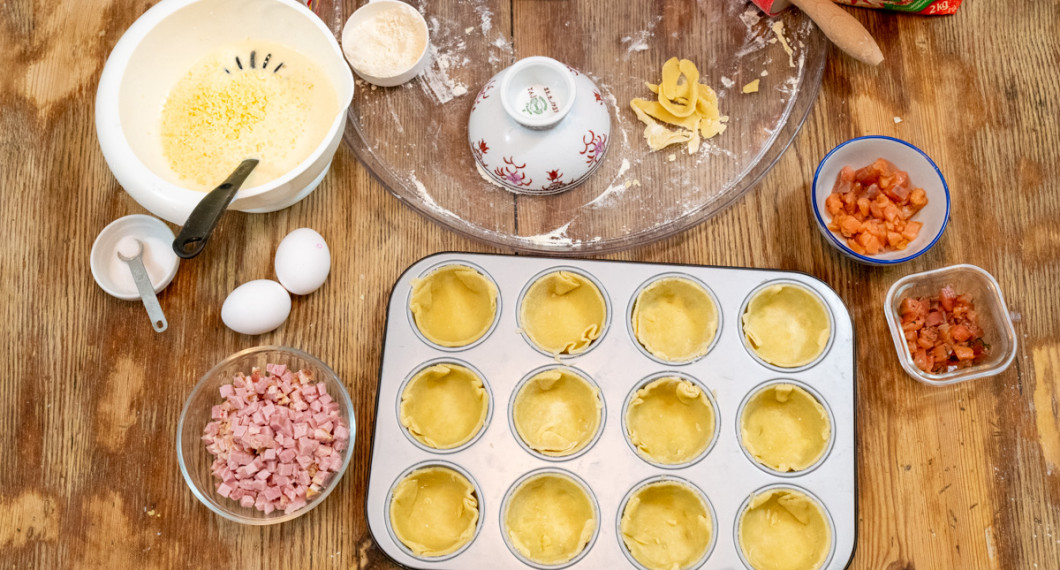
[495, 460]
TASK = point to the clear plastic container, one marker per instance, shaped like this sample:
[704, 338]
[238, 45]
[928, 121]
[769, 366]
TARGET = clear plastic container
[989, 305]
[195, 460]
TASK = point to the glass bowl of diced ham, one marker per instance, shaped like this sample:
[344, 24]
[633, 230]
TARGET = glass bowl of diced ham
[265, 435]
[880, 200]
[950, 325]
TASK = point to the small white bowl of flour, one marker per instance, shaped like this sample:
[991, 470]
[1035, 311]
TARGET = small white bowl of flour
[386, 42]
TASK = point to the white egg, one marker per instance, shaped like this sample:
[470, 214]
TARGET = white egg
[256, 307]
[303, 261]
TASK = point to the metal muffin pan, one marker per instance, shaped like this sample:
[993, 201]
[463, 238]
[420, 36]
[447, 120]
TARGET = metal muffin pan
[496, 459]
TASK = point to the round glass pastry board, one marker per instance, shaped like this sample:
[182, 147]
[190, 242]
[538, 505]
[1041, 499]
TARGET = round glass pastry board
[413, 138]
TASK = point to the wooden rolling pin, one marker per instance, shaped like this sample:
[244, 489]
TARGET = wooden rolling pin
[839, 26]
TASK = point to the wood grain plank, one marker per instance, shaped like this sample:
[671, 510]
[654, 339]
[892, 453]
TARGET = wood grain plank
[960, 477]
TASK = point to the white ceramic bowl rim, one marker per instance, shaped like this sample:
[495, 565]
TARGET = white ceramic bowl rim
[870, 259]
[113, 77]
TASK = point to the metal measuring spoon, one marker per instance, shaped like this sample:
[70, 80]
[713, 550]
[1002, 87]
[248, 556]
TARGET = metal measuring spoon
[203, 219]
[130, 250]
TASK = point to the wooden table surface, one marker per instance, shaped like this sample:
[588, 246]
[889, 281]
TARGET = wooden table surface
[966, 476]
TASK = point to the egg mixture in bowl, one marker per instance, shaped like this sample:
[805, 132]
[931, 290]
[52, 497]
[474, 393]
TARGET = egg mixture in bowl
[196, 86]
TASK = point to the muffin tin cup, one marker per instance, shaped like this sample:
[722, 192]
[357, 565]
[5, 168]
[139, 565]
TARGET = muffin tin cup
[608, 311]
[754, 354]
[710, 397]
[661, 479]
[470, 345]
[526, 446]
[633, 303]
[423, 465]
[820, 400]
[828, 561]
[592, 499]
[489, 405]
[609, 467]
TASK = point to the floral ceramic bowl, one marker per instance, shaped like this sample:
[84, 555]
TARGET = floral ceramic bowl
[539, 127]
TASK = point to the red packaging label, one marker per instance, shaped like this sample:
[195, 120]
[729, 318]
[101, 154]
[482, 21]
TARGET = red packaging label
[925, 7]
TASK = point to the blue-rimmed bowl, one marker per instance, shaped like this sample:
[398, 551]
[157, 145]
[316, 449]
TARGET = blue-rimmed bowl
[923, 173]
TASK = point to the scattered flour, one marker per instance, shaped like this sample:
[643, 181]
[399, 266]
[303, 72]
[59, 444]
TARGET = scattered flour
[555, 237]
[614, 189]
[778, 29]
[637, 42]
[427, 199]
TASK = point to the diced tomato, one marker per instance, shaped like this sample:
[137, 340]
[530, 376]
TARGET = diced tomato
[911, 230]
[863, 206]
[918, 197]
[891, 213]
[849, 226]
[900, 193]
[960, 333]
[866, 175]
[963, 352]
[911, 306]
[869, 241]
[939, 353]
[878, 195]
[946, 298]
[922, 360]
[939, 338]
[833, 204]
[846, 174]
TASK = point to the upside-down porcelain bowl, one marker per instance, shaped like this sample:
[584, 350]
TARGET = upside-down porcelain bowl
[539, 127]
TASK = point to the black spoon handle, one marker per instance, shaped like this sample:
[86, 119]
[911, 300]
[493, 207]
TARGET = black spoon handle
[203, 219]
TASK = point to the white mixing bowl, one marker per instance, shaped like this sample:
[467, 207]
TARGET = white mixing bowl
[156, 52]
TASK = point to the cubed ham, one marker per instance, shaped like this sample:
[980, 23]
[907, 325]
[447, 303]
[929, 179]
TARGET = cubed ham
[266, 438]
